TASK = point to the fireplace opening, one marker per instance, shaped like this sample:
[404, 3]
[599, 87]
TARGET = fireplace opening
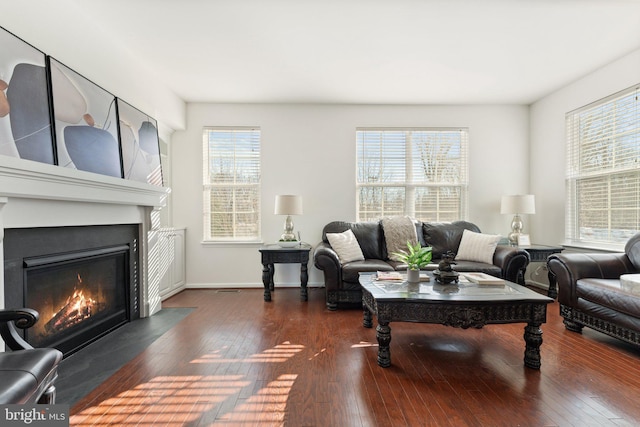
[80, 296]
[82, 280]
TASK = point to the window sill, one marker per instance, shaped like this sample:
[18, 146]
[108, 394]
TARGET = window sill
[232, 244]
[600, 247]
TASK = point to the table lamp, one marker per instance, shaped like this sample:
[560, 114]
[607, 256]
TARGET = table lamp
[516, 205]
[288, 205]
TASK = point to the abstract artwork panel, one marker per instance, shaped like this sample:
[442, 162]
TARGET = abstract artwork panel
[140, 145]
[25, 114]
[85, 123]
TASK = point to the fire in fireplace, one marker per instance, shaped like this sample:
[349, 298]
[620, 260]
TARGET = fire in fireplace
[76, 309]
[82, 281]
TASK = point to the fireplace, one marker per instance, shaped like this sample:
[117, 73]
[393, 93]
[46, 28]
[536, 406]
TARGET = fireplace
[82, 280]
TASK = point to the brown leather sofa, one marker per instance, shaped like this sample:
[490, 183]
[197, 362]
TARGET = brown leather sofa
[591, 294]
[27, 374]
[341, 281]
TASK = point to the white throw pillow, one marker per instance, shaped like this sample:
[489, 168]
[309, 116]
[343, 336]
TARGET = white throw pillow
[346, 246]
[477, 247]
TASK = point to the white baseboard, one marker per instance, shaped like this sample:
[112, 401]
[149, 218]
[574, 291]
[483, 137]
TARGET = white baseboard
[247, 285]
[172, 293]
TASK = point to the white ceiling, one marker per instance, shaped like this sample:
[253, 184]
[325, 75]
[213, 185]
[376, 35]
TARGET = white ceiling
[369, 51]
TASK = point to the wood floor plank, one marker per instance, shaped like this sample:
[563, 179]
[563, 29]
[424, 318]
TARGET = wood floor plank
[239, 361]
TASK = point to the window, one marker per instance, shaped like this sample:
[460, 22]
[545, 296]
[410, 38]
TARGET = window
[231, 184]
[417, 172]
[603, 170]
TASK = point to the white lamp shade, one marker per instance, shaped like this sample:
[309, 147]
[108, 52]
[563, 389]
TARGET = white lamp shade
[288, 205]
[518, 204]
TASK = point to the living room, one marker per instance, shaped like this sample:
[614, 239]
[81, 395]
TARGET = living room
[516, 117]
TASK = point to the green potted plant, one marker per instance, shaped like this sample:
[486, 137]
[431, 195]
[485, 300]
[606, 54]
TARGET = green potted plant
[415, 257]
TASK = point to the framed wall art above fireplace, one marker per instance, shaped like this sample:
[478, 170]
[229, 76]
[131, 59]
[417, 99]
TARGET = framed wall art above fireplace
[140, 145]
[25, 110]
[86, 123]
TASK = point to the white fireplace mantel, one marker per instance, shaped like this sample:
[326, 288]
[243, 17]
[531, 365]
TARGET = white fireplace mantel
[28, 179]
[34, 194]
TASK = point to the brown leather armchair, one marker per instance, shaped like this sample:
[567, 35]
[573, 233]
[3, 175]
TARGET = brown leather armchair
[591, 294]
[27, 374]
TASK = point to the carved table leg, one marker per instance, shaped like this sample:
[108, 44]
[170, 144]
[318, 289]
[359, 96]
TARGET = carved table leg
[366, 321]
[272, 272]
[533, 341]
[553, 287]
[266, 281]
[520, 276]
[383, 334]
[304, 277]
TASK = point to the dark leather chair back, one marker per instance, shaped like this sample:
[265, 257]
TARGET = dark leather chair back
[443, 237]
[632, 249]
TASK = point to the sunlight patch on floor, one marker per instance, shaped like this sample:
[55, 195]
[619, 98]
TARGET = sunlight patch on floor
[189, 399]
[363, 344]
[176, 401]
[278, 354]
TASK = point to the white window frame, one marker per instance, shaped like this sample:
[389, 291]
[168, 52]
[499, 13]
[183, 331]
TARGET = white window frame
[603, 171]
[234, 151]
[398, 142]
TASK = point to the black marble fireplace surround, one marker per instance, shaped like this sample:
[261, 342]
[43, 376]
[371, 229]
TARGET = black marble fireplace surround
[83, 281]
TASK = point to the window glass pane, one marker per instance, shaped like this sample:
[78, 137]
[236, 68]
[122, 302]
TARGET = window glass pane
[377, 202]
[370, 202]
[437, 157]
[381, 157]
[393, 201]
[438, 204]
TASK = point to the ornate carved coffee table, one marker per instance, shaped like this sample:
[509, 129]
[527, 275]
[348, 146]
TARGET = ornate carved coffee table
[464, 306]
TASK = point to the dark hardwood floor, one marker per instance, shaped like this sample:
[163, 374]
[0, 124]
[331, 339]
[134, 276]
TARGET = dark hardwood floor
[238, 361]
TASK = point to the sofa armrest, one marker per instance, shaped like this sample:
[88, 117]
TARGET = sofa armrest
[22, 318]
[511, 260]
[570, 267]
[326, 259]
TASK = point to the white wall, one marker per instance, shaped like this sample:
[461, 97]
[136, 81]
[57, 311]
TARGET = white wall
[547, 122]
[310, 150]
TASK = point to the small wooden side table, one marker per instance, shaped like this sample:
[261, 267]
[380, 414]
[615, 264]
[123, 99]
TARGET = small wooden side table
[539, 253]
[274, 254]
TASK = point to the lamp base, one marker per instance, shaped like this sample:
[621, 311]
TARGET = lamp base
[513, 238]
[516, 229]
[288, 235]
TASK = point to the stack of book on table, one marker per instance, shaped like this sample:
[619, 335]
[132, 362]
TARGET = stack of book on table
[483, 279]
[396, 276]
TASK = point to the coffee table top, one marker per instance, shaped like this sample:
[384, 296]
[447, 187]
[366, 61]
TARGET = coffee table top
[432, 291]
